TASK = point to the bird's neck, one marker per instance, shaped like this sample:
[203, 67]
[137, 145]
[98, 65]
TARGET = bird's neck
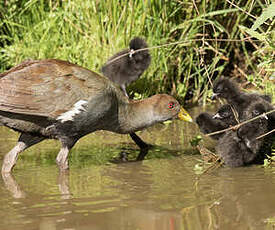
[136, 115]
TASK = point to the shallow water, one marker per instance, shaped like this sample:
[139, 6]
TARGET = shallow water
[161, 193]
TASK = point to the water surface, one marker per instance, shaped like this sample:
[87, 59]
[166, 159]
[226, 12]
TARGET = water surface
[161, 193]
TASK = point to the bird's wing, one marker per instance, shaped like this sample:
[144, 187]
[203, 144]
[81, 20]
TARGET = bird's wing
[48, 88]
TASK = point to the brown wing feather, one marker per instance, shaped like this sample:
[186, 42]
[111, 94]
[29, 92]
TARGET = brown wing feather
[47, 88]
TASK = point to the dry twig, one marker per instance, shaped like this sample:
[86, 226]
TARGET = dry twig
[235, 127]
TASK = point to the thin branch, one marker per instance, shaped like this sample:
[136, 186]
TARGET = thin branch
[178, 43]
[273, 130]
[240, 124]
[235, 113]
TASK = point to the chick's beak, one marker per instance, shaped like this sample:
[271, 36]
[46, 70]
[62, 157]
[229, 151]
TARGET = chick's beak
[214, 96]
[217, 116]
[184, 116]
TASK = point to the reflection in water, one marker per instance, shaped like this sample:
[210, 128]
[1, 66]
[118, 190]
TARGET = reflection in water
[156, 194]
[137, 196]
[12, 186]
[63, 184]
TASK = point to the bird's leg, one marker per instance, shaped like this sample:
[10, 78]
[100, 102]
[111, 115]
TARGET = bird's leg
[142, 154]
[25, 141]
[11, 157]
[62, 157]
[142, 145]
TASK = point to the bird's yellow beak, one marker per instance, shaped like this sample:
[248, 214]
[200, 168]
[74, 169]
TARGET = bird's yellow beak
[184, 116]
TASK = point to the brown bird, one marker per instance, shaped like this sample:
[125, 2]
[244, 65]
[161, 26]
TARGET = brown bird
[56, 99]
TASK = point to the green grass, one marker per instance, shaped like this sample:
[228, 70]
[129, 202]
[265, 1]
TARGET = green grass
[88, 32]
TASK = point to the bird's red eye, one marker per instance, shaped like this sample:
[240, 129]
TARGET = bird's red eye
[171, 105]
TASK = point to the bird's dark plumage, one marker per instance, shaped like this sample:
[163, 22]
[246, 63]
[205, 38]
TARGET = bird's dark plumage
[208, 124]
[253, 129]
[241, 147]
[229, 90]
[226, 114]
[233, 150]
[223, 118]
[56, 99]
[129, 68]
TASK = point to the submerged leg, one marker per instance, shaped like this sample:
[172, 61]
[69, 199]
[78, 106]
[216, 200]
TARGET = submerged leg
[62, 157]
[144, 147]
[25, 141]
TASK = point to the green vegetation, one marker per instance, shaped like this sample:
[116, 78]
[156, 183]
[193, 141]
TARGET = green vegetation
[270, 223]
[215, 38]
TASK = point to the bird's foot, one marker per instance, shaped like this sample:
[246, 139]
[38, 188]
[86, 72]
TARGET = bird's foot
[62, 164]
[143, 152]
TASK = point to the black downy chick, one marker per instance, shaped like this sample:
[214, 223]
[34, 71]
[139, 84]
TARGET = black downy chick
[221, 120]
[124, 70]
[233, 150]
[242, 147]
[250, 131]
[226, 114]
[229, 90]
[208, 124]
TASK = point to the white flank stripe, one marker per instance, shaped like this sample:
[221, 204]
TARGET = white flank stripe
[69, 115]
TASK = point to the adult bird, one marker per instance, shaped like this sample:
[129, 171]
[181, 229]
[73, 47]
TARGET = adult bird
[56, 99]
